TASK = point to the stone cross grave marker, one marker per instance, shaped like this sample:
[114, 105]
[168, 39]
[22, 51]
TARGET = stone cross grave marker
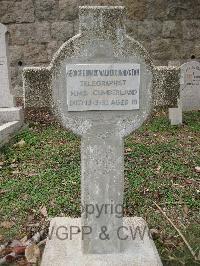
[101, 90]
[6, 99]
[103, 97]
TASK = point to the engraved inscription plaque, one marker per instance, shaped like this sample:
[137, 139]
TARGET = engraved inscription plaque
[102, 87]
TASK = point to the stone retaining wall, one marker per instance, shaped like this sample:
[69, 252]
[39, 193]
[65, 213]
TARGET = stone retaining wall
[169, 30]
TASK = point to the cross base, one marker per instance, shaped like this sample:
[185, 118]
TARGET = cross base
[137, 249]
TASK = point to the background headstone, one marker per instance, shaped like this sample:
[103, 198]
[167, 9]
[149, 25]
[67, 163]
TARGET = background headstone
[189, 97]
[11, 117]
[190, 86]
[6, 99]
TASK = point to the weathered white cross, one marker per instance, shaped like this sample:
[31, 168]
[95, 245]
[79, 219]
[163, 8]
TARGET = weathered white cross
[101, 81]
[102, 91]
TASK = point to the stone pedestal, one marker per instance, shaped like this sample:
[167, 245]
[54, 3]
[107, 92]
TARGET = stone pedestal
[11, 114]
[64, 248]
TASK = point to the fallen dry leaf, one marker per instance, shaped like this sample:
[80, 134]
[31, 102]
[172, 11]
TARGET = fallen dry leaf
[25, 197]
[177, 185]
[3, 191]
[127, 151]
[19, 250]
[31, 174]
[187, 181]
[24, 240]
[33, 225]
[4, 251]
[32, 253]
[10, 258]
[43, 211]
[185, 210]
[15, 172]
[158, 168]
[1, 238]
[20, 144]
[13, 165]
[198, 256]
[22, 262]
[11, 254]
[197, 169]
[2, 248]
[6, 224]
[16, 243]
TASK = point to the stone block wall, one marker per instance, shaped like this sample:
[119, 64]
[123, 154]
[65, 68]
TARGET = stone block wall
[169, 30]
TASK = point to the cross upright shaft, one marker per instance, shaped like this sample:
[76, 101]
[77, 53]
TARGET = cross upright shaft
[102, 166]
